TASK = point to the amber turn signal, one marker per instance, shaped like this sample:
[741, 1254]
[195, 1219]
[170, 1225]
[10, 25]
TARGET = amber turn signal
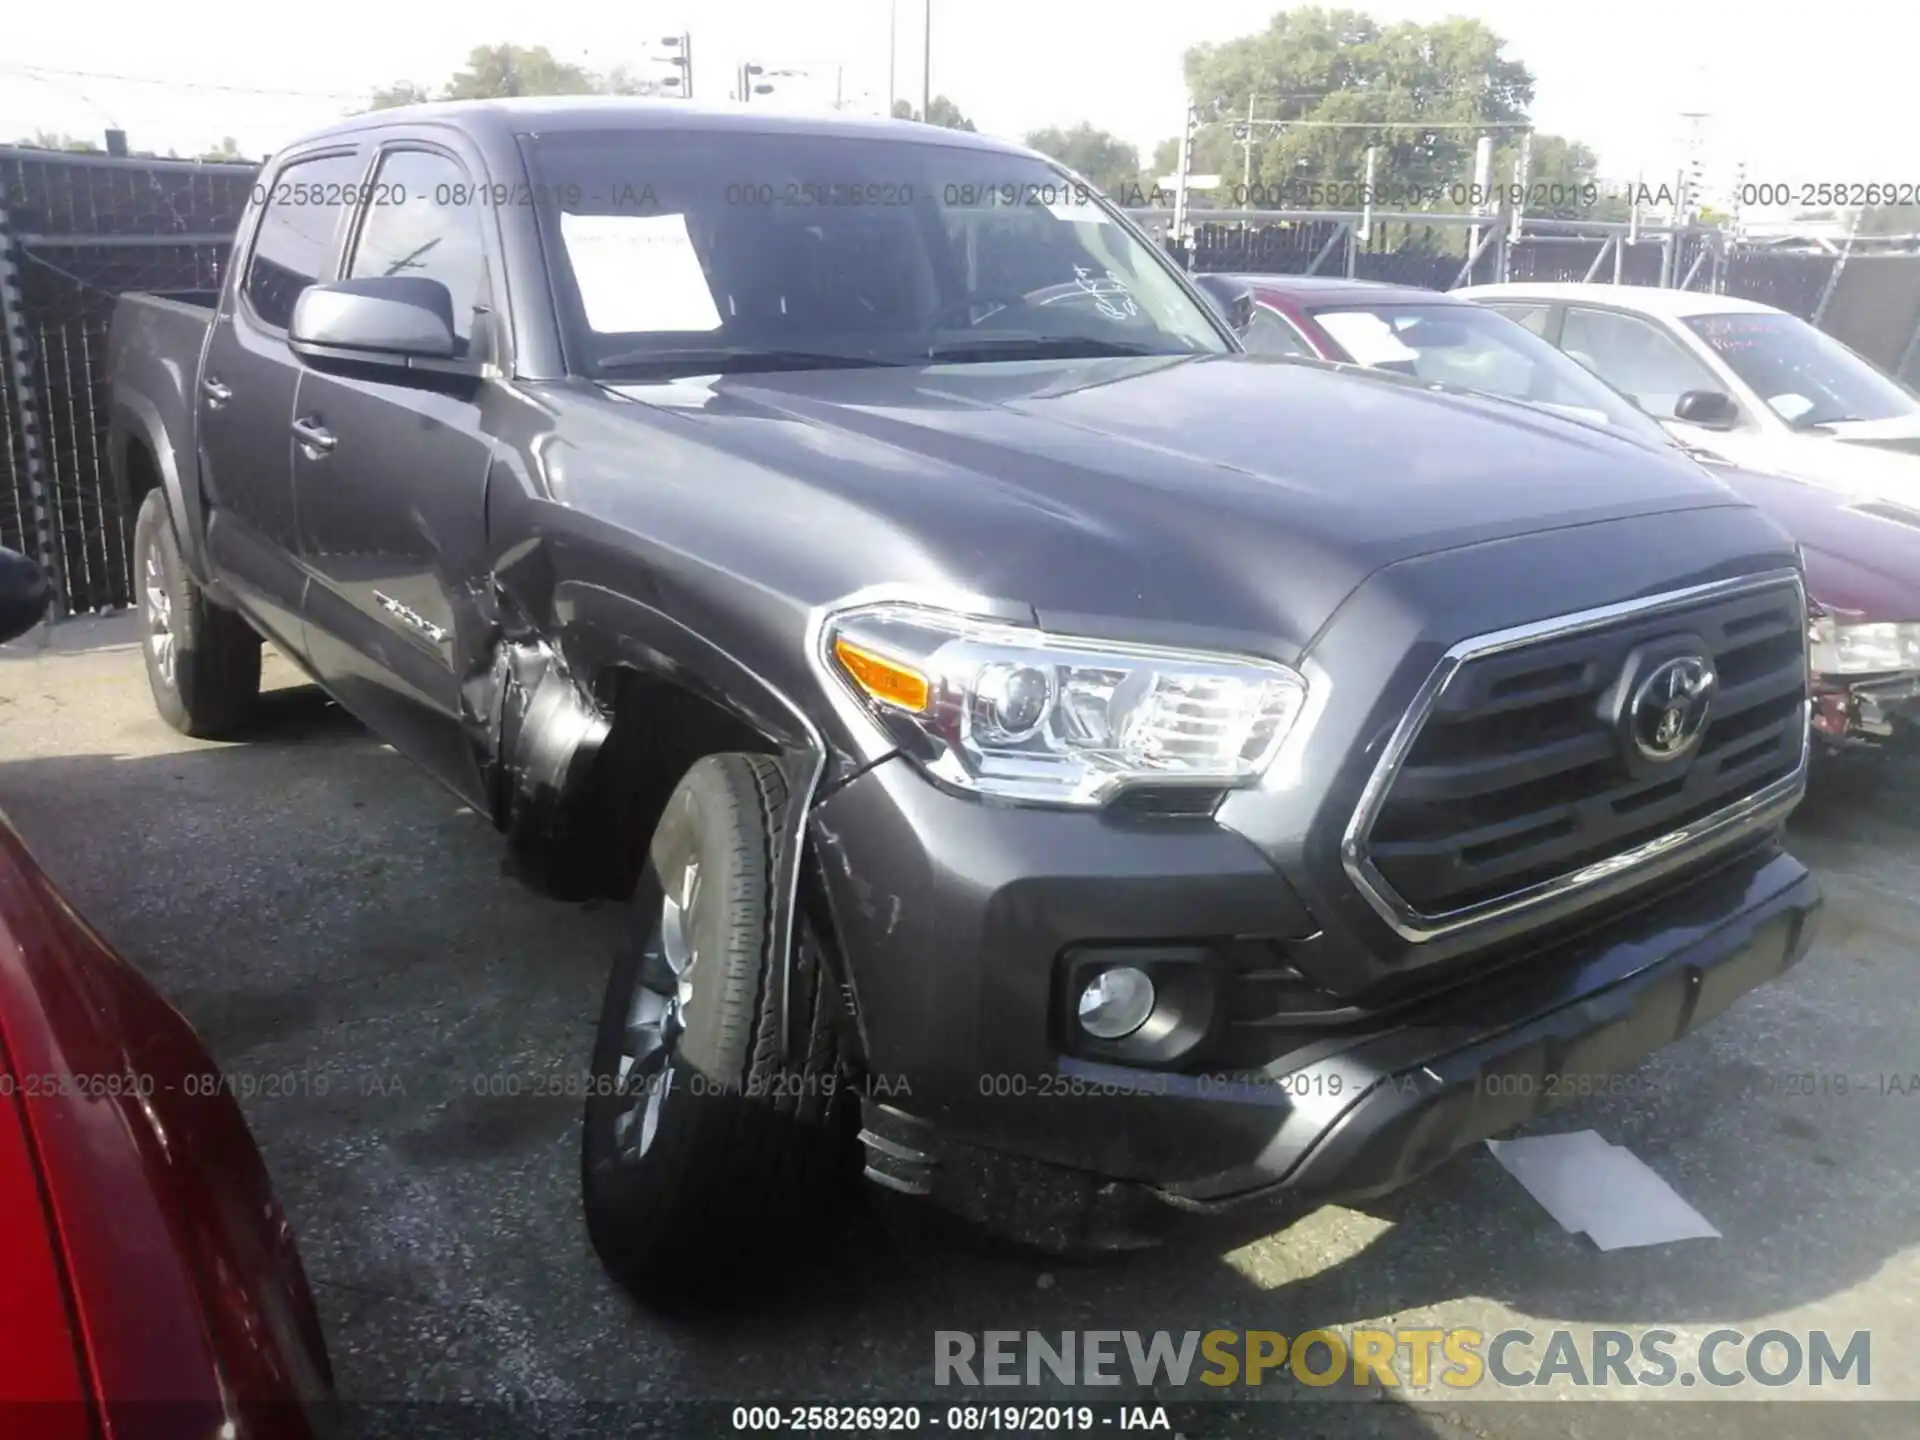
[887, 681]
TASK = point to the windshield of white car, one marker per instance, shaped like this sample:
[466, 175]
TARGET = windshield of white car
[1464, 346]
[1808, 378]
[858, 250]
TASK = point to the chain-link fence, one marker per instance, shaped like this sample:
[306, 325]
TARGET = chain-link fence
[76, 230]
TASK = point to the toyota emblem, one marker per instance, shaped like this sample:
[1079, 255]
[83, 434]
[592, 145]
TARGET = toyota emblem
[1668, 714]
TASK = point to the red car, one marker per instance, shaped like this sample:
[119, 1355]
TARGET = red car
[1862, 558]
[149, 1284]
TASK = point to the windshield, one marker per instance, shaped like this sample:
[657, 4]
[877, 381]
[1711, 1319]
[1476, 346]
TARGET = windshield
[1806, 377]
[1475, 349]
[682, 250]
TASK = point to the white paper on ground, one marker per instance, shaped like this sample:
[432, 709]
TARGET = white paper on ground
[638, 273]
[1554, 1169]
[1604, 1191]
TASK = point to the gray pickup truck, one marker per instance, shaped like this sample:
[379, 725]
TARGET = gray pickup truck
[1078, 770]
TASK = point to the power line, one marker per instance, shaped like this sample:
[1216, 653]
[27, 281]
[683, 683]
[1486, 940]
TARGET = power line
[190, 84]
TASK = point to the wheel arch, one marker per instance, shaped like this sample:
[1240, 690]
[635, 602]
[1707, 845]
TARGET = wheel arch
[144, 459]
[598, 714]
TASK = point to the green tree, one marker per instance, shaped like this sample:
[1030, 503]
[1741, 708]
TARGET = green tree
[1561, 174]
[494, 71]
[940, 109]
[57, 140]
[401, 92]
[1891, 220]
[227, 149]
[1105, 159]
[1346, 81]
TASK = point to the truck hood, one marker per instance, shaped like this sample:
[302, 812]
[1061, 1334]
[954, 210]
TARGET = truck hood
[1239, 492]
[1865, 561]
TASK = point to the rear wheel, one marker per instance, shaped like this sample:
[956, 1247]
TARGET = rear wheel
[701, 1153]
[203, 661]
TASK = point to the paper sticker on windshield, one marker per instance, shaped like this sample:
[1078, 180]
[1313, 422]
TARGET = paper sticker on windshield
[638, 273]
[1366, 337]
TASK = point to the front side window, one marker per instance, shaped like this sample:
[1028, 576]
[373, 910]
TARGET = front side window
[414, 225]
[689, 249]
[293, 247]
[1806, 377]
[1270, 334]
[1473, 348]
[1635, 356]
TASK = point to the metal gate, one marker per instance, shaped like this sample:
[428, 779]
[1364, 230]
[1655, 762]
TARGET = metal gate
[75, 231]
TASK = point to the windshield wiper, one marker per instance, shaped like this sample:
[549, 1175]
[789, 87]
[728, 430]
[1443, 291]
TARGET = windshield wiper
[1041, 347]
[734, 360]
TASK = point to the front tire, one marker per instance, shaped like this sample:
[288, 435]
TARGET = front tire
[203, 661]
[701, 1154]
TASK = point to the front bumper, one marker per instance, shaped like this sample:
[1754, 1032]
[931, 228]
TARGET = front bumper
[952, 916]
[1861, 711]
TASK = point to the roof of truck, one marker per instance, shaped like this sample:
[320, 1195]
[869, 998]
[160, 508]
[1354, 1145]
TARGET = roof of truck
[547, 114]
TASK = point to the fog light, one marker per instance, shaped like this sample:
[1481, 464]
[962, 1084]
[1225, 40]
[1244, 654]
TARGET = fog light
[1116, 1003]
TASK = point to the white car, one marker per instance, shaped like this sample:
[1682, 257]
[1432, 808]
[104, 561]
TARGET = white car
[1753, 384]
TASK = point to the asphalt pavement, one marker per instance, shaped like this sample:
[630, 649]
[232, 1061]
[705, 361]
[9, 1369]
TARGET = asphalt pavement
[340, 931]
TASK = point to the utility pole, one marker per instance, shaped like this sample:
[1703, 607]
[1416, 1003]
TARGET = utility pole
[893, 49]
[1482, 183]
[926, 65]
[1246, 154]
[1180, 181]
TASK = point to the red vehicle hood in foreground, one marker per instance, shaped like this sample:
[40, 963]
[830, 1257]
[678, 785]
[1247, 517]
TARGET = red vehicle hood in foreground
[148, 1279]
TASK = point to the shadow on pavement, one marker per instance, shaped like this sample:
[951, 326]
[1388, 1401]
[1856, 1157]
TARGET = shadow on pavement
[402, 1022]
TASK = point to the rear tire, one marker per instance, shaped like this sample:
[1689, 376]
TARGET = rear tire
[701, 1154]
[203, 661]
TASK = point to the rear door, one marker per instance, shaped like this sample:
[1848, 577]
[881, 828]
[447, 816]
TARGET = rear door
[247, 382]
[393, 508]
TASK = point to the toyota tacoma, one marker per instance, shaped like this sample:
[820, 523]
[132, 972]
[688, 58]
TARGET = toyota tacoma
[1078, 770]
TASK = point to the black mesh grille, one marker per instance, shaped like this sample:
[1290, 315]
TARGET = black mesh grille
[1517, 776]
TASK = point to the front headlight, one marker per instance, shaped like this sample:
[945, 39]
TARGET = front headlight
[1008, 711]
[1863, 649]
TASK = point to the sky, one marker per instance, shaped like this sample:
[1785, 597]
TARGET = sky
[1796, 96]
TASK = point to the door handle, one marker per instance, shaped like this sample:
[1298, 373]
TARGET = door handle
[312, 434]
[217, 394]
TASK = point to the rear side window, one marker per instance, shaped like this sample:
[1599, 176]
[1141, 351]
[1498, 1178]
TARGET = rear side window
[294, 244]
[415, 225]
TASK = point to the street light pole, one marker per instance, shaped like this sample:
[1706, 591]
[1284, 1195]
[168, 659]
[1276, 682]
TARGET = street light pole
[893, 49]
[926, 66]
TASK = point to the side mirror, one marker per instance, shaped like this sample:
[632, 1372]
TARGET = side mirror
[379, 320]
[1710, 409]
[1233, 300]
[24, 594]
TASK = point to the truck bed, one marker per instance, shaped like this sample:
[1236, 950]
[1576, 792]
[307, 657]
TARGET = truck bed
[153, 357]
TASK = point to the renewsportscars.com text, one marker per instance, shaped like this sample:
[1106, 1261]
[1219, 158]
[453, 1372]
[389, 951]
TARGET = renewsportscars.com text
[1459, 1359]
